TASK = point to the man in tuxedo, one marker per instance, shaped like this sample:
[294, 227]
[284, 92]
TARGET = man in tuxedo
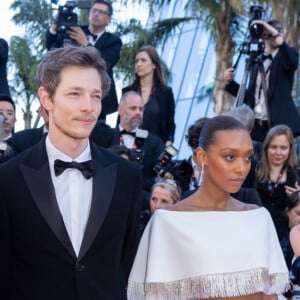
[145, 146]
[69, 211]
[95, 35]
[280, 64]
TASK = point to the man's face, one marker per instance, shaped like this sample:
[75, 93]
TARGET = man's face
[131, 112]
[76, 104]
[7, 109]
[99, 15]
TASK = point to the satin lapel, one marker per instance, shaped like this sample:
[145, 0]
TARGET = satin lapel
[39, 182]
[103, 187]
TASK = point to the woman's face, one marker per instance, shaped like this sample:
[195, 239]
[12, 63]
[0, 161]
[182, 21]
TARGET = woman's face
[278, 150]
[160, 197]
[227, 161]
[143, 64]
[294, 216]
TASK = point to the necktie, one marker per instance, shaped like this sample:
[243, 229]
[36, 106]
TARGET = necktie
[85, 167]
[94, 36]
[127, 132]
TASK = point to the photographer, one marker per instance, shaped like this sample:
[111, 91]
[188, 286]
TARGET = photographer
[95, 35]
[145, 147]
[280, 63]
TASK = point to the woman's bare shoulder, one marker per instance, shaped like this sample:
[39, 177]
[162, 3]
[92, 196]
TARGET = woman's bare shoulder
[238, 205]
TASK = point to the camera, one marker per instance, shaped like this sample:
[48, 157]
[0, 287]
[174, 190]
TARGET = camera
[66, 19]
[255, 44]
[256, 30]
[164, 159]
[137, 153]
[178, 168]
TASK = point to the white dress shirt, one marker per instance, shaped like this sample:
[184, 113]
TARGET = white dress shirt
[127, 139]
[73, 193]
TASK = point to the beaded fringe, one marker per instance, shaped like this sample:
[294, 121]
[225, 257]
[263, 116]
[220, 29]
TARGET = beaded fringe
[211, 286]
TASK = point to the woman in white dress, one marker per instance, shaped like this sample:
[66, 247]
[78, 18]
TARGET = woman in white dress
[210, 245]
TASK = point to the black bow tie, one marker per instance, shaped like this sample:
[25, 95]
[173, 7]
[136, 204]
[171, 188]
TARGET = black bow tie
[127, 132]
[84, 167]
[268, 56]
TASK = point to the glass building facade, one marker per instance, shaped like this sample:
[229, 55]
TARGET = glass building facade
[189, 55]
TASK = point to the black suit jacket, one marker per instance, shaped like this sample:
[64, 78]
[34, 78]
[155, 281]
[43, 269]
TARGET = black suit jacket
[280, 102]
[165, 99]
[152, 148]
[109, 46]
[25, 139]
[38, 260]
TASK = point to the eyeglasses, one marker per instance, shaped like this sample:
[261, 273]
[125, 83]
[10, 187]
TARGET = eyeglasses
[100, 12]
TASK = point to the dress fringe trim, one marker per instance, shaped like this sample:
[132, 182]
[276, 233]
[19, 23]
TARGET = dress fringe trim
[211, 286]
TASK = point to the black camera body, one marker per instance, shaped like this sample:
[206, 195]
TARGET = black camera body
[255, 44]
[164, 159]
[178, 168]
[66, 19]
[137, 153]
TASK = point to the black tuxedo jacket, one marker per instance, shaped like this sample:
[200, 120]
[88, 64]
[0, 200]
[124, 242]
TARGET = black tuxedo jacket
[109, 46]
[280, 102]
[152, 148]
[38, 260]
[25, 139]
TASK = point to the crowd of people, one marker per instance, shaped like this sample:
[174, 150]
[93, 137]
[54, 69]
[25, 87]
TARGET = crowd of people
[88, 211]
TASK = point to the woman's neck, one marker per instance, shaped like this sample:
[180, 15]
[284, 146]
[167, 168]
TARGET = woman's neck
[146, 82]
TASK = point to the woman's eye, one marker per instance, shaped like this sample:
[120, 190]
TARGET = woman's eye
[229, 157]
[249, 157]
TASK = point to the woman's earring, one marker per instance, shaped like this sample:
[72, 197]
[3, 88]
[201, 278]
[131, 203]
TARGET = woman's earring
[201, 173]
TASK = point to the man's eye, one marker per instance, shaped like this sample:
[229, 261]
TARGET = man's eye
[73, 93]
[97, 97]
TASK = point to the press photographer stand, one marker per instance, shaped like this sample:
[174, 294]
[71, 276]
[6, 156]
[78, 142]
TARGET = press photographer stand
[251, 61]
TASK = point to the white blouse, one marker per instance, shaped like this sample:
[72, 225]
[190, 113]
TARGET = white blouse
[192, 255]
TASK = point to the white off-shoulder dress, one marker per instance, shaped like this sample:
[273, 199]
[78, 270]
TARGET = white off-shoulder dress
[195, 255]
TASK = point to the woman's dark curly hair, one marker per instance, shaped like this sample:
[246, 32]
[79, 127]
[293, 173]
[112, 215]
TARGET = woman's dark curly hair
[192, 137]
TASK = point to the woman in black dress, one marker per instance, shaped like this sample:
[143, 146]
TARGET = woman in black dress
[158, 98]
[277, 169]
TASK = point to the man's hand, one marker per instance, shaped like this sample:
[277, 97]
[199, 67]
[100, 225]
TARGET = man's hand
[77, 34]
[228, 75]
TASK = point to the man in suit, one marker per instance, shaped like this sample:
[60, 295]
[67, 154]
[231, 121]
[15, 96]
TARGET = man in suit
[69, 211]
[280, 65]
[96, 36]
[24, 139]
[145, 148]
[8, 110]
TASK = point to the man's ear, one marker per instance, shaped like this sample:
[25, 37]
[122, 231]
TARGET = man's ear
[45, 99]
[201, 156]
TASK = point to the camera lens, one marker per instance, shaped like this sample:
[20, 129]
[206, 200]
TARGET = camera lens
[256, 30]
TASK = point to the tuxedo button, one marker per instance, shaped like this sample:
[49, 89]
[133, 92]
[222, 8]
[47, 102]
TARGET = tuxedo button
[80, 268]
